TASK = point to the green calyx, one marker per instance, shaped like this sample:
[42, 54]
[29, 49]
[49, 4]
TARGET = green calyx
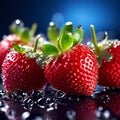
[24, 33]
[100, 49]
[33, 52]
[62, 40]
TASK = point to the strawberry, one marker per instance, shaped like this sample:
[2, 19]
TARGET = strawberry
[5, 46]
[108, 53]
[20, 35]
[20, 72]
[73, 67]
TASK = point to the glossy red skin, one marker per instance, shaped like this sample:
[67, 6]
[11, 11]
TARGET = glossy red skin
[20, 72]
[75, 71]
[5, 46]
[109, 72]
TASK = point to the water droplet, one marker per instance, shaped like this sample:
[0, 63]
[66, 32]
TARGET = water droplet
[25, 115]
[2, 104]
[41, 102]
[36, 95]
[100, 108]
[51, 24]
[18, 23]
[103, 114]
[38, 118]
[79, 26]
[59, 94]
[106, 114]
[50, 100]
[4, 107]
[71, 115]
[19, 96]
[31, 116]
[50, 109]
[98, 114]
[2, 94]
[68, 23]
[12, 114]
[28, 103]
[105, 98]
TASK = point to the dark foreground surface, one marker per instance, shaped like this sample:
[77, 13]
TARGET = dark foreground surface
[49, 104]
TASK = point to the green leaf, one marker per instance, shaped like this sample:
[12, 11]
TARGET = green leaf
[49, 49]
[16, 29]
[78, 35]
[13, 28]
[67, 28]
[53, 32]
[19, 49]
[25, 35]
[23, 32]
[66, 41]
[106, 55]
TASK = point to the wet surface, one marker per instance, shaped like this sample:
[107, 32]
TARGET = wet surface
[50, 104]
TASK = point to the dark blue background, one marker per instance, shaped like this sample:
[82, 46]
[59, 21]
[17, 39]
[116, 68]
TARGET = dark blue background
[104, 14]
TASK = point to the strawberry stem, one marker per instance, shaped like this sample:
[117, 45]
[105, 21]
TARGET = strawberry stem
[33, 29]
[36, 44]
[97, 49]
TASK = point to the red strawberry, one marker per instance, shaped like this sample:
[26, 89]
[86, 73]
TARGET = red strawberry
[108, 52]
[109, 72]
[6, 44]
[73, 70]
[21, 36]
[20, 72]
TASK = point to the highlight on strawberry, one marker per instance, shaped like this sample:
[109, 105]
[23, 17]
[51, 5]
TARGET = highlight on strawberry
[70, 65]
[108, 55]
[19, 35]
[20, 70]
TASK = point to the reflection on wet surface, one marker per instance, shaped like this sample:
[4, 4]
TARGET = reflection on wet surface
[50, 104]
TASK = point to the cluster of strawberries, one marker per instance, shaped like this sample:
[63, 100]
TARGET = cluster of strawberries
[63, 61]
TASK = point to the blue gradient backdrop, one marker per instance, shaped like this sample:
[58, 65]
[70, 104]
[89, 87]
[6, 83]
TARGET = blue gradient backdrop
[104, 14]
